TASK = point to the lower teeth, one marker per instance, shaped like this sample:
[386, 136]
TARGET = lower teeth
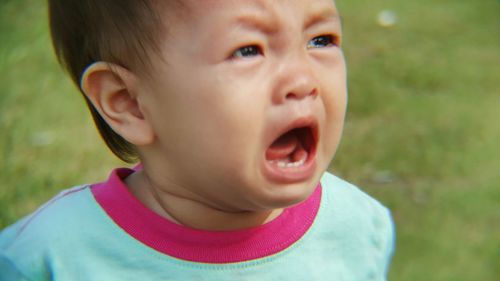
[283, 164]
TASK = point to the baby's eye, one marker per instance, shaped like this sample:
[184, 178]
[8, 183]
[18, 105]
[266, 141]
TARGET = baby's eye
[247, 51]
[322, 41]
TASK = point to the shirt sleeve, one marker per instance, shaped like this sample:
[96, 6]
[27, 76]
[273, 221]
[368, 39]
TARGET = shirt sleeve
[390, 242]
[9, 271]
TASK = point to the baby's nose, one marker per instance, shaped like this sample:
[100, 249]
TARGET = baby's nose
[301, 90]
[295, 81]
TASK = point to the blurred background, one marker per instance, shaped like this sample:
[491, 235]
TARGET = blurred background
[422, 130]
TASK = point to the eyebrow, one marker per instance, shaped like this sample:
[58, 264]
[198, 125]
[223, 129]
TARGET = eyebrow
[322, 15]
[255, 21]
[270, 24]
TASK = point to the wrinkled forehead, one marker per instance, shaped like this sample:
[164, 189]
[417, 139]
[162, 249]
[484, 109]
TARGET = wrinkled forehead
[206, 4]
[275, 9]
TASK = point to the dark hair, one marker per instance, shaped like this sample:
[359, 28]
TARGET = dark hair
[122, 32]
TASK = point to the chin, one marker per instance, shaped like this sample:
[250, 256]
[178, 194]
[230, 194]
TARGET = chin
[287, 195]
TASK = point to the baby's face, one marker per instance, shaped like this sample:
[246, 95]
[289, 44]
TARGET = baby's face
[248, 103]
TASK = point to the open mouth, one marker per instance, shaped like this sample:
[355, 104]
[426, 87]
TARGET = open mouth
[293, 149]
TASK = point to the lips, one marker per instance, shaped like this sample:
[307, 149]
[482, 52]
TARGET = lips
[291, 155]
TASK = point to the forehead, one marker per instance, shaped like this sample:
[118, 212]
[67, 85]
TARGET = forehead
[259, 4]
[291, 10]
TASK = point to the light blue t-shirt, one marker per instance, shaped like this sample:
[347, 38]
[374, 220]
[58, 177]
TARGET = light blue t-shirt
[85, 235]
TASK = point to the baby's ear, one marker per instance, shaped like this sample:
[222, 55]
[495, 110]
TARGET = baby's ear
[112, 90]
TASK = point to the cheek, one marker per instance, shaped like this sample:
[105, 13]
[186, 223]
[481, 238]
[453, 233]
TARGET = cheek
[236, 126]
[335, 109]
[226, 126]
[335, 98]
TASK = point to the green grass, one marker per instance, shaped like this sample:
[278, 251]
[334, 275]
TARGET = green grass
[47, 139]
[421, 133]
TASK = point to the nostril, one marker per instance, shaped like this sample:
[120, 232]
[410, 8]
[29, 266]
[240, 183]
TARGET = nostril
[313, 93]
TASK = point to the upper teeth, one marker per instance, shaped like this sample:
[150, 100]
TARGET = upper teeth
[286, 164]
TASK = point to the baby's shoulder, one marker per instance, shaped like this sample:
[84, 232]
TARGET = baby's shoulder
[50, 222]
[340, 192]
[356, 225]
[57, 226]
[343, 201]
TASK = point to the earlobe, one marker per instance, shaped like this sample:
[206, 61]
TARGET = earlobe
[112, 90]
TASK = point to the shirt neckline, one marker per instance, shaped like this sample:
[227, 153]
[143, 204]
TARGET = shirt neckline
[200, 245]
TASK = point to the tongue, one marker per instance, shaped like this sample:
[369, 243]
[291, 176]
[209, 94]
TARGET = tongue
[283, 147]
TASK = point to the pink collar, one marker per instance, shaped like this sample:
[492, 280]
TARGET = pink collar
[200, 245]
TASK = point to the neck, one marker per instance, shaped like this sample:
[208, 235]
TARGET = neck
[191, 211]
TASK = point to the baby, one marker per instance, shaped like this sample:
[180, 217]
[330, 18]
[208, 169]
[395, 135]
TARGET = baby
[234, 110]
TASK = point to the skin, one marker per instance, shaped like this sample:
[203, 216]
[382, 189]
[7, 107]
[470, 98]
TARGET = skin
[230, 78]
